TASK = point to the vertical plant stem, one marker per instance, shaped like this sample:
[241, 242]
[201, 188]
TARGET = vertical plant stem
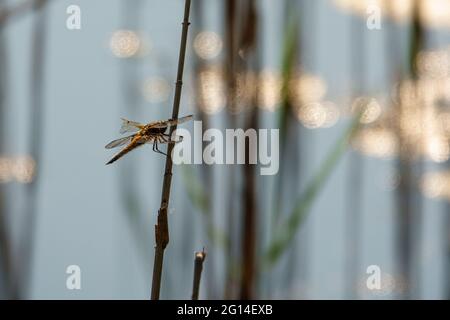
[6, 254]
[446, 237]
[249, 212]
[6, 257]
[290, 135]
[36, 136]
[285, 121]
[162, 227]
[355, 170]
[408, 200]
[353, 224]
[206, 171]
[418, 43]
[396, 72]
[230, 80]
[305, 17]
[404, 222]
[249, 220]
[198, 267]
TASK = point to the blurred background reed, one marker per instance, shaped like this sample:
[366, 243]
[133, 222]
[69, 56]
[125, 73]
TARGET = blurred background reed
[364, 119]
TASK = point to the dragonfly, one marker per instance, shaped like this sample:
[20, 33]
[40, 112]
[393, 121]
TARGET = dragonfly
[152, 133]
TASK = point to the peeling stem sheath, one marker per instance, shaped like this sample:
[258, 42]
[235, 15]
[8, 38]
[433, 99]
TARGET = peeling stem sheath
[161, 227]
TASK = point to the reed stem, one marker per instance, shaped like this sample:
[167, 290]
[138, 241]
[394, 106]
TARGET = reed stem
[7, 271]
[162, 227]
[37, 110]
[6, 14]
[248, 44]
[198, 267]
[230, 71]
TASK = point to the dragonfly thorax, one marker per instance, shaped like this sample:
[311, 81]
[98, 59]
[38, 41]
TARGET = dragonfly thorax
[154, 131]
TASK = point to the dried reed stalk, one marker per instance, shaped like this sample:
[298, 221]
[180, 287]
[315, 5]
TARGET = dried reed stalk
[230, 71]
[206, 171]
[162, 227]
[198, 267]
[248, 44]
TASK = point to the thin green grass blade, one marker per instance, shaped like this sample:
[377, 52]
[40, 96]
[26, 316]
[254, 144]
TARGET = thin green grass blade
[288, 64]
[289, 228]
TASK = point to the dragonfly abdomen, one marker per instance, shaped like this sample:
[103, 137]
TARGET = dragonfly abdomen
[124, 151]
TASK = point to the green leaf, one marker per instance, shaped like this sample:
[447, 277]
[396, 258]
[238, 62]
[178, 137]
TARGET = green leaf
[288, 230]
[288, 64]
[290, 44]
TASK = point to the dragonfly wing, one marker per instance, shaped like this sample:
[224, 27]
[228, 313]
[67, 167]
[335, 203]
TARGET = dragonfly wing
[130, 126]
[119, 142]
[170, 122]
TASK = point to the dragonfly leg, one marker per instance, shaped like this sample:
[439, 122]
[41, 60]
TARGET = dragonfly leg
[172, 141]
[159, 151]
[156, 144]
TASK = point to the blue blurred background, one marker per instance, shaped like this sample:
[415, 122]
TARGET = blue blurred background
[60, 205]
